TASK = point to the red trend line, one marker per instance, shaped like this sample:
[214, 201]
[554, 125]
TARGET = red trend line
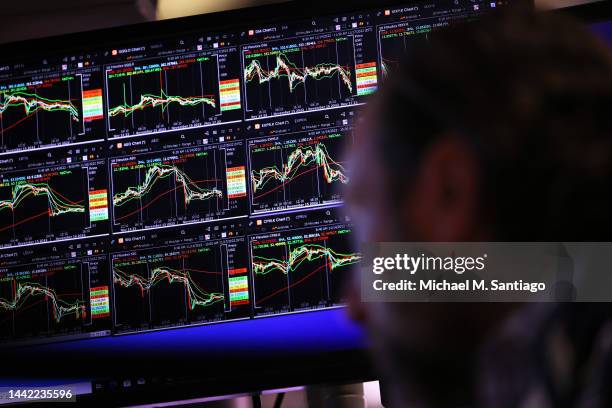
[26, 117]
[286, 182]
[67, 199]
[25, 220]
[30, 218]
[298, 282]
[160, 196]
[23, 309]
[300, 69]
[202, 271]
[18, 122]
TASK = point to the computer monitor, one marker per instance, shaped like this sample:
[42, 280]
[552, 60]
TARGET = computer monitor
[171, 197]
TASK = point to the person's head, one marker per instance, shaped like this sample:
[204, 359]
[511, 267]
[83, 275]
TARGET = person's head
[498, 130]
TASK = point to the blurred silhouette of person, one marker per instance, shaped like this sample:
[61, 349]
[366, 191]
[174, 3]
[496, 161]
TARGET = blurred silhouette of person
[497, 130]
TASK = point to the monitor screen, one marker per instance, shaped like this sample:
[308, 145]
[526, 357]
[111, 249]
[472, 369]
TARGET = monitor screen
[189, 175]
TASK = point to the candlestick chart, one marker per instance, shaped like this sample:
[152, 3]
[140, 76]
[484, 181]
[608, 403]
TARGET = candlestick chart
[301, 269]
[178, 285]
[183, 186]
[294, 171]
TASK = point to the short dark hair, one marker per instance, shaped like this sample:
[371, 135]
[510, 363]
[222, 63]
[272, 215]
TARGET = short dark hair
[532, 93]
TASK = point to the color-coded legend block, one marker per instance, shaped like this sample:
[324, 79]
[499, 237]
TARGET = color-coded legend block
[239, 290]
[367, 80]
[229, 91]
[92, 105]
[100, 302]
[98, 205]
[236, 182]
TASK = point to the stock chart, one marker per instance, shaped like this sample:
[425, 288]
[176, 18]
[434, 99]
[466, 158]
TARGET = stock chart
[51, 110]
[395, 41]
[179, 285]
[52, 203]
[297, 171]
[157, 95]
[301, 269]
[178, 187]
[285, 78]
[54, 296]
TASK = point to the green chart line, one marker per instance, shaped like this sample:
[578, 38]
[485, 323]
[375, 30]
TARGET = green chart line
[163, 100]
[295, 75]
[57, 203]
[32, 103]
[299, 158]
[161, 171]
[196, 295]
[301, 254]
[60, 308]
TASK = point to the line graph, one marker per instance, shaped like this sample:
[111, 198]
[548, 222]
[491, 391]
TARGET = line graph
[54, 110]
[281, 78]
[295, 75]
[190, 189]
[168, 93]
[32, 103]
[301, 157]
[177, 187]
[196, 296]
[43, 295]
[396, 41]
[178, 285]
[46, 204]
[299, 269]
[162, 100]
[304, 253]
[60, 308]
[57, 203]
[296, 171]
